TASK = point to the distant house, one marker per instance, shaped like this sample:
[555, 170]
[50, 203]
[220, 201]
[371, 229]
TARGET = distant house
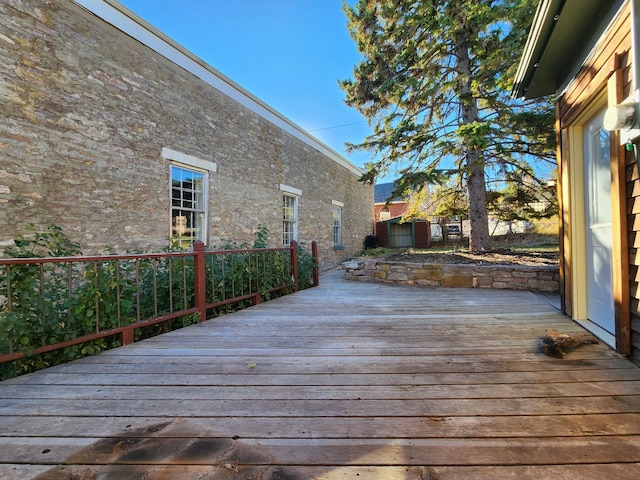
[386, 207]
[125, 139]
[583, 52]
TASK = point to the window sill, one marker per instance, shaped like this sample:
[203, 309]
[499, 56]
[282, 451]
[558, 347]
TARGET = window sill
[338, 247]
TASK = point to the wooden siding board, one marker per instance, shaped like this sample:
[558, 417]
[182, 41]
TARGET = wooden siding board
[633, 206]
[632, 173]
[633, 225]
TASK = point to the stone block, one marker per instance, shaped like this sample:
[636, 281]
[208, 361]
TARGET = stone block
[398, 276]
[521, 273]
[460, 281]
[546, 275]
[545, 286]
[450, 270]
[501, 272]
[370, 264]
[435, 275]
[431, 266]
[419, 275]
[351, 265]
[518, 283]
[399, 268]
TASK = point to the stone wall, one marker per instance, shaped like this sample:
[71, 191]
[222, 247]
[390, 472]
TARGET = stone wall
[536, 279]
[85, 112]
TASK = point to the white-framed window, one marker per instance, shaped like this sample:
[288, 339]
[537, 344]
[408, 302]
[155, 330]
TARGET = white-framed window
[289, 218]
[290, 197]
[188, 205]
[189, 186]
[337, 223]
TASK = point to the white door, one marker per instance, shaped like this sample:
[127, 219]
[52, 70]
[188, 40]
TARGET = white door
[599, 237]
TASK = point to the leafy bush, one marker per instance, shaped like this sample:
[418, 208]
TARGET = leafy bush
[306, 267]
[44, 304]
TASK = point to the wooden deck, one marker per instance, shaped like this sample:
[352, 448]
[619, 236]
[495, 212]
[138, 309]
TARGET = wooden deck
[346, 381]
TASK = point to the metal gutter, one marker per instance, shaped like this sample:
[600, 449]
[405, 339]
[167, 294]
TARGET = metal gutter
[541, 30]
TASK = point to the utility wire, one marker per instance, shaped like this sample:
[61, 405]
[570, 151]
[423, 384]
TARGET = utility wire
[337, 126]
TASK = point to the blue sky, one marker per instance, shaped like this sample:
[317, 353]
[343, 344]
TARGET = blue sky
[289, 53]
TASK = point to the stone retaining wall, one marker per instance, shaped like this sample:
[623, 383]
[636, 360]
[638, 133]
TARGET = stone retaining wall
[513, 277]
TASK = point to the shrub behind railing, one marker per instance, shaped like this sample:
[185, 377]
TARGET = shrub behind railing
[56, 309]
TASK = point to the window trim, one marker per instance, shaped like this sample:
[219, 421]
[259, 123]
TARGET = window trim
[207, 166]
[290, 190]
[295, 194]
[194, 164]
[204, 234]
[336, 205]
[294, 233]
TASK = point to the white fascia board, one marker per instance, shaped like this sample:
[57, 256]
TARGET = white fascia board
[128, 22]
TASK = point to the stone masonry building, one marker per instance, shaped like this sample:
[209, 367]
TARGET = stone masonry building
[112, 131]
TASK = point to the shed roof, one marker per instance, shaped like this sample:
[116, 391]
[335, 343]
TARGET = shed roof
[561, 31]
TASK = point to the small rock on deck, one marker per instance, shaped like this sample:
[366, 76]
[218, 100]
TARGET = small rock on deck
[348, 380]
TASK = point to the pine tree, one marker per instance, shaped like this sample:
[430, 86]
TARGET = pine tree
[435, 83]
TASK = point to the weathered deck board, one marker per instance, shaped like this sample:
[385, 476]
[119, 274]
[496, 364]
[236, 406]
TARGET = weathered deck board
[348, 380]
[521, 426]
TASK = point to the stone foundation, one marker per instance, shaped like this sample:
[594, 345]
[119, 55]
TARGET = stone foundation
[544, 279]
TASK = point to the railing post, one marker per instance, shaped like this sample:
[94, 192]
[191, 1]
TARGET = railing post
[316, 263]
[200, 289]
[294, 264]
[127, 337]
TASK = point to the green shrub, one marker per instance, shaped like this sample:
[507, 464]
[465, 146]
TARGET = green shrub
[53, 302]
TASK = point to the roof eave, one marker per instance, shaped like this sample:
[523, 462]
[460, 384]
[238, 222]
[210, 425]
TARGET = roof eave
[541, 30]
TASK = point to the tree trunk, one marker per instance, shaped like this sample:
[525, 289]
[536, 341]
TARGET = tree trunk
[443, 228]
[478, 218]
[476, 186]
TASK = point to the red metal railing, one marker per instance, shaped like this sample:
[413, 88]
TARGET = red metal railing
[74, 300]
